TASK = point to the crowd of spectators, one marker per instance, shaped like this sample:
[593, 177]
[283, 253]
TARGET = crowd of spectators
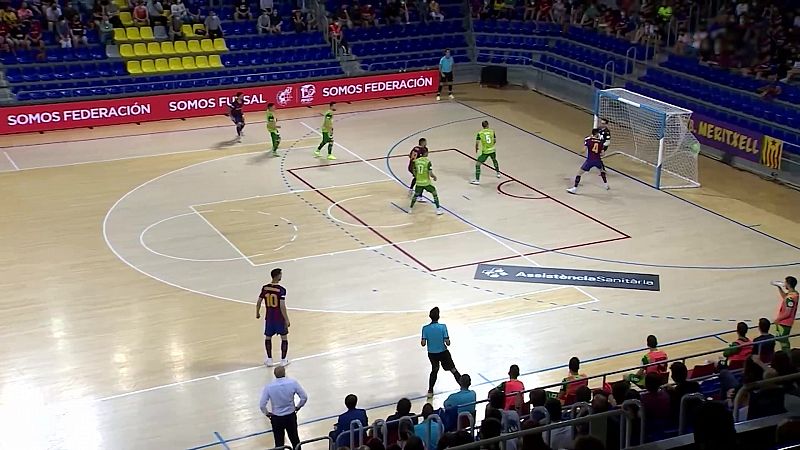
[658, 388]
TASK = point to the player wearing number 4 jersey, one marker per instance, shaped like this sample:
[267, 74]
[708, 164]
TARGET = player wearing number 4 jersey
[276, 317]
[594, 158]
[485, 148]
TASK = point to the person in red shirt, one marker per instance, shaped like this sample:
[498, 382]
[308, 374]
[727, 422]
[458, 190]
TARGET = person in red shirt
[141, 17]
[569, 388]
[740, 349]
[511, 388]
[787, 310]
[335, 31]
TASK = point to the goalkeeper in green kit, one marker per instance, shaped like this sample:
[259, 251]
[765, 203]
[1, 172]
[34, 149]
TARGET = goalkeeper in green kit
[327, 133]
[272, 127]
[484, 147]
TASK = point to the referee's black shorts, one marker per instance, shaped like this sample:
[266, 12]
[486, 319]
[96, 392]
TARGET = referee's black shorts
[445, 77]
[444, 358]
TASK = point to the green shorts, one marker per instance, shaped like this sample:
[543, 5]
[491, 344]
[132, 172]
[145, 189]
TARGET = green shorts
[484, 156]
[419, 189]
[327, 136]
[276, 138]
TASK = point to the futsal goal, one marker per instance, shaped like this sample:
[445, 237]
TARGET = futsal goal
[651, 132]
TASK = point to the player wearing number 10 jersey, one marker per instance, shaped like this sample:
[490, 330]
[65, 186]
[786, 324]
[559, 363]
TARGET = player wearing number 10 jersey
[276, 317]
[594, 158]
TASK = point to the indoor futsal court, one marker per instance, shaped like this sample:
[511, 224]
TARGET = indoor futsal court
[134, 256]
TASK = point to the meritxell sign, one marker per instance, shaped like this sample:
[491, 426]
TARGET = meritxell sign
[570, 277]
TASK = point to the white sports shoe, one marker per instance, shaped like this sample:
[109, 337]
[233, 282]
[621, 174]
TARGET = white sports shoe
[607, 186]
[438, 97]
[498, 174]
[573, 190]
[284, 362]
[422, 200]
[439, 211]
[475, 182]
[451, 97]
[268, 362]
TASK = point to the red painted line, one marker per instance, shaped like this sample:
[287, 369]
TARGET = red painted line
[500, 190]
[538, 252]
[358, 219]
[551, 198]
[379, 158]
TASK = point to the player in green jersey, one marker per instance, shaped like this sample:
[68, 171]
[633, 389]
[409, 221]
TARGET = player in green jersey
[272, 127]
[484, 147]
[423, 173]
[327, 133]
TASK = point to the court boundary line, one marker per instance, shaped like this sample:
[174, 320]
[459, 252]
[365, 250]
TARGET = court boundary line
[296, 191]
[483, 383]
[357, 197]
[13, 164]
[217, 376]
[619, 172]
[222, 235]
[501, 191]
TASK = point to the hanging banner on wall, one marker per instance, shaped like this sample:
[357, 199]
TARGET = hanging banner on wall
[729, 138]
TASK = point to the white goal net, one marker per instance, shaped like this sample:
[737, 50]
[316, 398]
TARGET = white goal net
[651, 132]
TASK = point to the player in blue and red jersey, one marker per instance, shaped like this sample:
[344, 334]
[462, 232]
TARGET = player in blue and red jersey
[416, 152]
[277, 319]
[594, 158]
[236, 114]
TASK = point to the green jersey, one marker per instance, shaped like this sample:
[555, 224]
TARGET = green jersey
[487, 139]
[422, 171]
[272, 122]
[327, 121]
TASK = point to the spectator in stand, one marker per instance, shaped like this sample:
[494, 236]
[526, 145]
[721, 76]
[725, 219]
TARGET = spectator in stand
[491, 426]
[428, 430]
[367, 14]
[266, 4]
[509, 418]
[392, 422]
[740, 349]
[97, 13]
[716, 431]
[36, 41]
[275, 22]
[681, 387]
[573, 375]
[653, 355]
[193, 13]
[656, 404]
[63, 33]
[560, 438]
[764, 350]
[345, 419]
[533, 441]
[106, 30]
[175, 29]
[8, 16]
[343, 16]
[508, 8]
[52, 15]
[141, 17]
[299, 22]
[262, 24]
[5, 42]
[435, 11]
[156, 12]
[619, 392]
[78, 33]
[530, 10]
[454, 439]
[512, 389]
[112, 11]
[538, 397]
[392, 12]
[354, 14]
[17, 35]
[242, 12]
[36, 7]
[464, 399]
[70, 11]
[335, 32]
[24, 14]
[178, 9]
[559, 12]
[213, 25]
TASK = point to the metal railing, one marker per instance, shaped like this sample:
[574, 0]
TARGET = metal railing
[737, 401]
[608, 70]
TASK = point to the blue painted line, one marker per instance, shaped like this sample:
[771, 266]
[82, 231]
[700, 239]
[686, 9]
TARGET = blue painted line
[399, 207]
[723, 340]
[222, 441]
[532, 372]
[484, 378]
[642, 182]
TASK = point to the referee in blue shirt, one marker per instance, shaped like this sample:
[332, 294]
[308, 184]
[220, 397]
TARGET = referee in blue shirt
[435, 337]
[445, 74]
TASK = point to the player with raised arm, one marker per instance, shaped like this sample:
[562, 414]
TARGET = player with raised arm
[485, 148]
[327, 133]
[423, 174]
[276, 317]
[420, 150]
[272, 127]
[786, 310]
[236, 114]
[594, 158]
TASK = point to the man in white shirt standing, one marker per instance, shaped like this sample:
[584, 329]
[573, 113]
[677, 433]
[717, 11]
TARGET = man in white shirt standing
[283, 415]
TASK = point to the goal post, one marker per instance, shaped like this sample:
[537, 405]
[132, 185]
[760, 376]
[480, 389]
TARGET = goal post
[651, 132]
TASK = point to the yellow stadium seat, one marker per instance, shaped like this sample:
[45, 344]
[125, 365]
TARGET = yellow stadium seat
[140, 49]
[180, 48]
[148, 66]
[146, 33]
[198, 26]
[215, 61]
[167, 48]
[207, 46]
[134, 67]
[126, 51]
[219, 45]
[120, 36]
[194, 47]
[187, 31]
[202, 62]
[126, 19]
[188, 63]
[154, 48]
[133, 34]
[175, 64]
[122, 4]
[162, 65]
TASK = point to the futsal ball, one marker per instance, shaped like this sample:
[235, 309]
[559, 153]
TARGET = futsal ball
[696, 147]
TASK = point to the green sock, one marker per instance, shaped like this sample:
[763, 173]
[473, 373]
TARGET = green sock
[436, 199]
[413, 200]
[330, 148]
[320, 145]
[496, 164]
[478, 171]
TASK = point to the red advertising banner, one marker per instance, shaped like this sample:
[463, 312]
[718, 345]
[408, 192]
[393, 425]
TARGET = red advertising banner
[95, 113]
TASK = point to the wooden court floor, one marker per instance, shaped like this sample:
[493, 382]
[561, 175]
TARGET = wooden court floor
[133, 255]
